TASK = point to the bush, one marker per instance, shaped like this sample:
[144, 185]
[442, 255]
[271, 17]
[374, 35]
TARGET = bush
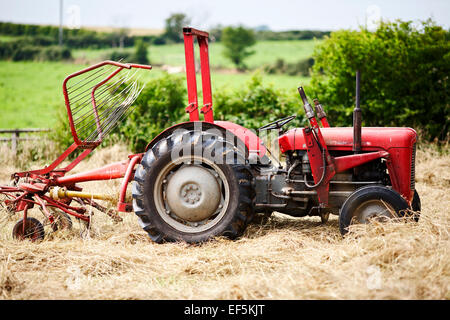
[55, 53]
[255, 104]
[404, 76]
[25, 53]
[300, 68]
[119, 55]
[161, 104]
[290, 35]
[140, 53]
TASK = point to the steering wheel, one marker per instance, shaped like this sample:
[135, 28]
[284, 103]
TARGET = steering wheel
[277, 124]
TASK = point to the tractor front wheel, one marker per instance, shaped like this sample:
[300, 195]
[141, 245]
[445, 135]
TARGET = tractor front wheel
[371, 202]
[416, 206]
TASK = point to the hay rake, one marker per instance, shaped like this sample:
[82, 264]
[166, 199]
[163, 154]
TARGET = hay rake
[96, 98]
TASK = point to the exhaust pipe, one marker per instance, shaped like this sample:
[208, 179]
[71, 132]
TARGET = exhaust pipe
[357, 118]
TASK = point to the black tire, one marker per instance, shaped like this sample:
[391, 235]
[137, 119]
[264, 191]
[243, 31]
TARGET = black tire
[34, 230]
[355, 206]
[232, 220]
[416, 206]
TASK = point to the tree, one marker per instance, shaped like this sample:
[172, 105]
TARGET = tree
[404, 76]
[236, 42]
[174, 26]
[140, 54]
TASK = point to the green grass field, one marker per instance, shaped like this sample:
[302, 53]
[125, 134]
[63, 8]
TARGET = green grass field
[31, 92]
[173, 54]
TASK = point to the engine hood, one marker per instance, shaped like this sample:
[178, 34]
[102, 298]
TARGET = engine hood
[341, 138]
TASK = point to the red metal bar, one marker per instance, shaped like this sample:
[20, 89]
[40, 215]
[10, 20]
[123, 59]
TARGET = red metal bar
[25, 216]
[352, 161]
[206, 80]
[141, 66]
[324, 122]
[44, 208]
[195, 32]
[122, 205]
[192, 107]
[108, 172]
[67, 209]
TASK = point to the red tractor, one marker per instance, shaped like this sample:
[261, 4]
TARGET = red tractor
[201, 179]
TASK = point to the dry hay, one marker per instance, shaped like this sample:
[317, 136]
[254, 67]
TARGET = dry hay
[282, 258]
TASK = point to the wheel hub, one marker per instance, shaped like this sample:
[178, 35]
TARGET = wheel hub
[193, 193]
[374, 209]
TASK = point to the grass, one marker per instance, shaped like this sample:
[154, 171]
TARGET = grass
[173, 54]
[283, 258]
[31, 92]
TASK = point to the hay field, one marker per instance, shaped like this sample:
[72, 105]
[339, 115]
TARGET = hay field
[283, 258]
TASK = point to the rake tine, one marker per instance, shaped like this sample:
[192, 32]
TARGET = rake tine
[89, 125]
[80, 93]
[87, 98]
[105, 92]
[106, 108]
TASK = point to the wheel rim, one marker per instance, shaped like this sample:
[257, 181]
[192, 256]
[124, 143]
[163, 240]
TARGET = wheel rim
[191, 194]
[374, 209]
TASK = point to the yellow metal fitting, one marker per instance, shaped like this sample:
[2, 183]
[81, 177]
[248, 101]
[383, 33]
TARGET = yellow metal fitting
[57, 193]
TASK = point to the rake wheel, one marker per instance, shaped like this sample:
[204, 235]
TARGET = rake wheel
[34, 230]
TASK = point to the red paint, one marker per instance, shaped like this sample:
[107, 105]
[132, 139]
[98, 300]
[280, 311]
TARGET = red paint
[342, 138]
[324, 122]
[121, 205]
[348, 162]
[111, 171]
[192, 108]
[250, 139]
[397, 142]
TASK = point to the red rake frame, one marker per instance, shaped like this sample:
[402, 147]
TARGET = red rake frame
[31, 186]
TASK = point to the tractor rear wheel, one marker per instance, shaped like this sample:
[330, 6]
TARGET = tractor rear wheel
[371, 202]
[192, 187]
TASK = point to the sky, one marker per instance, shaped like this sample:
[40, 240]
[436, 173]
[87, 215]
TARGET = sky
[277, 15]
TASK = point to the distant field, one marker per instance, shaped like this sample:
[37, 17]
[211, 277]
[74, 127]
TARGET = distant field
[265, 52]
[31, 92]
